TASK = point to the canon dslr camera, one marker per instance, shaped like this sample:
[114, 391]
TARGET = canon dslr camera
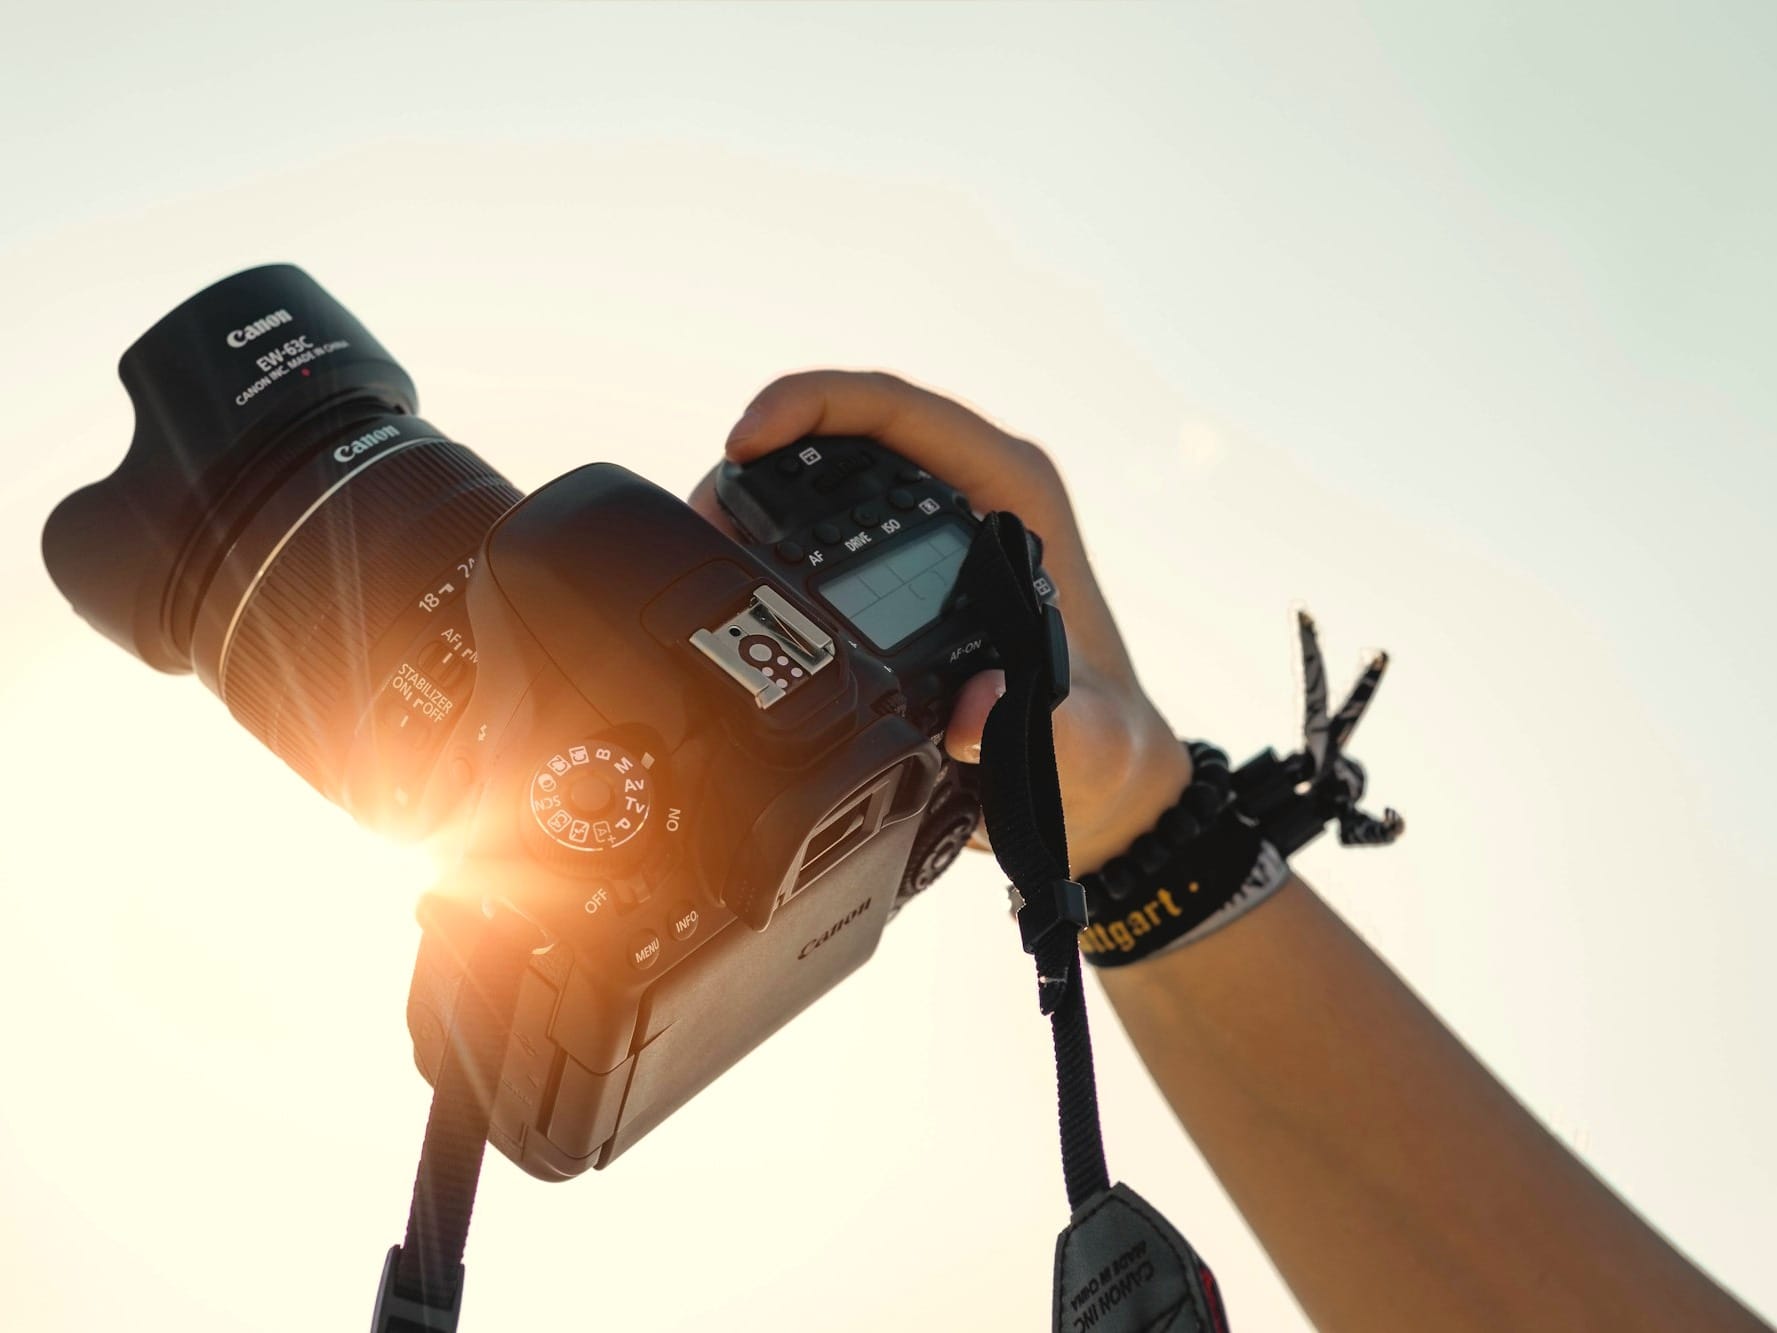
[707, 773]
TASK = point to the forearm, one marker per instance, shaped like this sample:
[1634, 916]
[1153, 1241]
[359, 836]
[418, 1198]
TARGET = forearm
[1394, 1182]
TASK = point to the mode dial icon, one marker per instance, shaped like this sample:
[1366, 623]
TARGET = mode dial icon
[593, 797]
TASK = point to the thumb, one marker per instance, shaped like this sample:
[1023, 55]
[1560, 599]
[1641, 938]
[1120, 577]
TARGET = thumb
[968, 715]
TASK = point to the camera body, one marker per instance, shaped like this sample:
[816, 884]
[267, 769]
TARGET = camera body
[707, 771]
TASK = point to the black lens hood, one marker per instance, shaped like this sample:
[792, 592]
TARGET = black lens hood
[231, 390]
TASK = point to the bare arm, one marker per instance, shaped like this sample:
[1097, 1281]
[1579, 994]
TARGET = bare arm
[1393, 1180]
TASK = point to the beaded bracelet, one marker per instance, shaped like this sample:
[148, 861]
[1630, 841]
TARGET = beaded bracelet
[1202, 865]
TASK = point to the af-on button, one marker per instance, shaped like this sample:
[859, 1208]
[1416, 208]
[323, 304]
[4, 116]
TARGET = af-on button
[644, 950]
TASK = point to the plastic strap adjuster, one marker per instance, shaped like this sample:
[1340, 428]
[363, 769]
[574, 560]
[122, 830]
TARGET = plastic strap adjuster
[396, 1313]
[1061, 902]
[1055, 649]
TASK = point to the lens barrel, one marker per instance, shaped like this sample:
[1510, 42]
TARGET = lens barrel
[281, 519]
[309, 614]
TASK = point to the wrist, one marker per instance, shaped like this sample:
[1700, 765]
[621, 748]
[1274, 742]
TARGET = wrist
[1202, 864]
[1154, 775]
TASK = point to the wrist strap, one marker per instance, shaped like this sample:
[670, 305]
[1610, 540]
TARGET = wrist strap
[1021, 803]
[1151, 1277]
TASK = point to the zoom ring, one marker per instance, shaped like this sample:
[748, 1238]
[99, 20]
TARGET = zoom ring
[298, 670]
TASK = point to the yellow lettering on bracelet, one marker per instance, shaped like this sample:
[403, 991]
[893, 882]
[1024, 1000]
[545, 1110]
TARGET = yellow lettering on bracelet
[1120, 935]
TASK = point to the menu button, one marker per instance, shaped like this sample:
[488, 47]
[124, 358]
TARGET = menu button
[644, 950]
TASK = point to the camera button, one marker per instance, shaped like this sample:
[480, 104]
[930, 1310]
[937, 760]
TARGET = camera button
[901, 499]
[591, 795]
[866, 515]
[459, 773]
[685, 922]
[644, 950]
[788, 552]
[828, 532]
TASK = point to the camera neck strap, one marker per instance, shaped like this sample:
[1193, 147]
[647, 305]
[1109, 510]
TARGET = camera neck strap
[1120, 1267]
[422, 1279]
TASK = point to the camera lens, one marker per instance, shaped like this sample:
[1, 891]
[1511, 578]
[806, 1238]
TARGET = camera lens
[284, 526]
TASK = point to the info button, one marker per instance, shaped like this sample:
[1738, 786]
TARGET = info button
[684, 922]
[644, 950]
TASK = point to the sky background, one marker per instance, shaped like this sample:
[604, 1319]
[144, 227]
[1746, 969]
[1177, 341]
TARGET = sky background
[1452, 322]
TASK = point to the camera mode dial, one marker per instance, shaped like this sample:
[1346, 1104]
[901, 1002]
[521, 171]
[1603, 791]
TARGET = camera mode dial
[593, 797]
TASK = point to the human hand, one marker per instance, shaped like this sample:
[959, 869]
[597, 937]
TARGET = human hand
[1120, 764]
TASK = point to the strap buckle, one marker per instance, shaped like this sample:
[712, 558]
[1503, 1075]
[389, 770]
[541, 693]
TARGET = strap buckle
[396, 1313]
[1048, 907]
[1055, 650]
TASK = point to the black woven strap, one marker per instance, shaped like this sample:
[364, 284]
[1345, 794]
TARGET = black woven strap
[1021, 802]
[422, 1282]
